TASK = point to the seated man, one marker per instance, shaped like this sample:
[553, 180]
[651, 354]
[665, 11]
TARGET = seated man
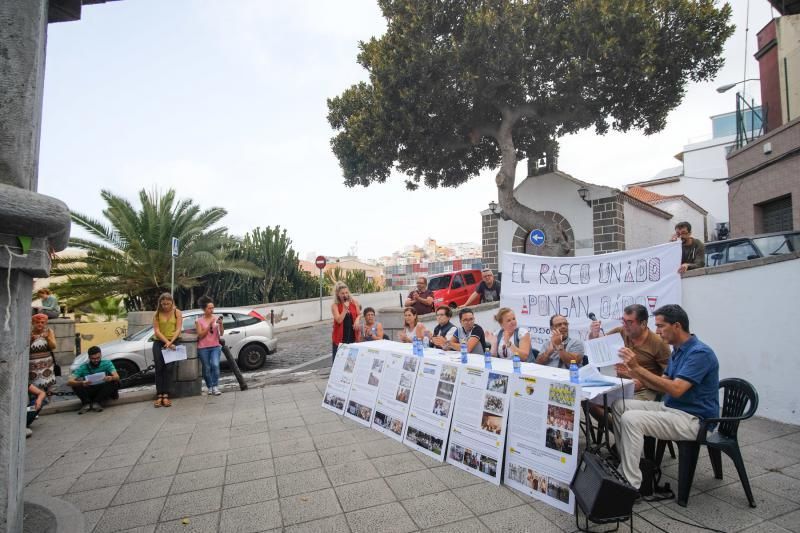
[49, 303]
[691, 392]
[443, 332]
[421, 299]
[487, 290]
[562, 349]
[470, 332]
[94, 393]
[651, 351]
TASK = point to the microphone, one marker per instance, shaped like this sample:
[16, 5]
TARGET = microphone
[592, 317]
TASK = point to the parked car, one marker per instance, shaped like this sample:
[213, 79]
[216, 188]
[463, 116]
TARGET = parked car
[747, 248]
[453, 288]
[248, 335]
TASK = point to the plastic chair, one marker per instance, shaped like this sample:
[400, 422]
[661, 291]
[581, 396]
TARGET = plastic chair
[740, 402]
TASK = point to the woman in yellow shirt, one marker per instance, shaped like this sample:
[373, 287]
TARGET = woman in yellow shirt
[167, 326]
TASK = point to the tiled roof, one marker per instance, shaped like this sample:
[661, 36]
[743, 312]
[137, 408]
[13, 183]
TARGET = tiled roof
[645, 195]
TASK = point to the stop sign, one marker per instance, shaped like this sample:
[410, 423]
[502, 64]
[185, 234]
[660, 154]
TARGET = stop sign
[320, 262]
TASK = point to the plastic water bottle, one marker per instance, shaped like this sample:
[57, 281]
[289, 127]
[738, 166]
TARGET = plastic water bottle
[487, 359]
[464, 358]
[517, 363]
[417, 346]
[374, 332]
[574, 374]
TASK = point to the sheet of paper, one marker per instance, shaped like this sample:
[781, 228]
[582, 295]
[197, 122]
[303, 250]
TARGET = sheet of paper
[96, 378]
[603, 351]
[431, 407]
[542, 444]
[478, 432]
[364, 390]
[394, 394]
[178, 354]
[340, 379]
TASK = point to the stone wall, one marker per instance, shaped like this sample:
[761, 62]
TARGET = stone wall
[609, 224]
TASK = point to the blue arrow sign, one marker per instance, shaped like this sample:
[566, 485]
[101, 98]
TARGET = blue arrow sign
[537, 237]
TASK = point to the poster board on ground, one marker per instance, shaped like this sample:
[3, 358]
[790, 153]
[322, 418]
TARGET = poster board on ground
[478, 431]
[340, 379]
[431, 409]
[364, 390]
[394, 394]
[543, 435]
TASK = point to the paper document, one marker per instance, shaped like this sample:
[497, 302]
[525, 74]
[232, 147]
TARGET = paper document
[590, 377]
[96, 378]
[603, 351]
[178, 354]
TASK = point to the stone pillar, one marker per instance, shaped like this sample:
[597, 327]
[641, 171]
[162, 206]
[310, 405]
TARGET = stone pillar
[609, 224]
[64, 330]
[188, 374]
[138, 320]
[489, 242]
[32, 226]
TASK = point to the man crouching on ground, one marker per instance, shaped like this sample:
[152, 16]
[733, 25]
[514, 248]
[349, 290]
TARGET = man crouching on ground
[691, 392]
[94, 391]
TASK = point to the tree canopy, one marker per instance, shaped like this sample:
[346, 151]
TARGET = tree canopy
[458, 86]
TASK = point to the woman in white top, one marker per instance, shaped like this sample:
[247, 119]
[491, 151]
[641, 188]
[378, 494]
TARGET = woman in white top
[510, 340]
[411, 326]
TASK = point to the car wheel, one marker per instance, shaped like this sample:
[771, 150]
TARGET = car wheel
[125, 368]
[252, 357]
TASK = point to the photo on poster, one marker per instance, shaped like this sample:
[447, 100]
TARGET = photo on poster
[387, 422]
[403, 394]
[410, 363]
[334, 400]
[474, 460]
[373, 379]
[445, 390]
[492, 423]
[406, 379]
[377, 365]
[449, 373]
[562, 394]
[558, 490]
[560, 417]
[441, 407]
[350, 363]
[424, 440]
[528, 477]
[559, 440]
[361, 411]
[494, 404]
[497, 383]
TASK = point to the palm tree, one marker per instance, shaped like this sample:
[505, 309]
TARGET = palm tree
[132, 254]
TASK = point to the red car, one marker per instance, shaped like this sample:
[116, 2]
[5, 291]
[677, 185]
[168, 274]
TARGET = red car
[453, 288]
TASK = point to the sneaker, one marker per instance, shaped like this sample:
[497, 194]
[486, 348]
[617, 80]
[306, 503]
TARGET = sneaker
[96, 407]
[28, 432]
[215, 391]
[85, 408]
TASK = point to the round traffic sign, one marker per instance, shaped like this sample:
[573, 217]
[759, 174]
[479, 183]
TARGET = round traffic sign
[320, 262]
[537, 237]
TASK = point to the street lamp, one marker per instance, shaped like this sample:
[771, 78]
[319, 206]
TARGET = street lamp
[493, 207]
[729, 86]
[583, 192]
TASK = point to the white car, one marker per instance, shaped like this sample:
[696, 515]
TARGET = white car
[249, 337]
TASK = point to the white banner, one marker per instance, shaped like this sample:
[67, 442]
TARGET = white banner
[537, 287]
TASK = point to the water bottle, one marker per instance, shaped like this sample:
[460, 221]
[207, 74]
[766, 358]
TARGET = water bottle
[487, 359]
[417, 346]
[574, 374]
[374, 332]
[464, 358]
[516, 362]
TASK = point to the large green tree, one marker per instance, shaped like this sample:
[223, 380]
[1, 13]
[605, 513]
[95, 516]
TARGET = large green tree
[129, 253]
[458, 86]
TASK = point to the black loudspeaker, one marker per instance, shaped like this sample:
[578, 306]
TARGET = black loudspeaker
[602, 493]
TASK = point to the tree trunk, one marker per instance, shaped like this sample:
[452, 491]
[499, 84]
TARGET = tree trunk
[556, 240]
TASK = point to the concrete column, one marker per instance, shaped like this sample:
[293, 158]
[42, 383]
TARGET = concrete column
[64, 331]
[188, 375]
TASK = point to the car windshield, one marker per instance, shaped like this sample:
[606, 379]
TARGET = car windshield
[439, 282]
[140, 335]
[774, 245]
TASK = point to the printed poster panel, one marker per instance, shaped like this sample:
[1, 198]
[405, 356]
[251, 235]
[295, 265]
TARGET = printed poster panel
[431, 410]
[537, 287]
[478, 432]
[394, 394]
[364, 390]
[543, 435]
[340, 379]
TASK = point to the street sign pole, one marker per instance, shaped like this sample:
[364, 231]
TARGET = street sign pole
[175, 245]
[320, 262]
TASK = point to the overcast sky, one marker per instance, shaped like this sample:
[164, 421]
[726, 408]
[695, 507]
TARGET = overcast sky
[226, 103]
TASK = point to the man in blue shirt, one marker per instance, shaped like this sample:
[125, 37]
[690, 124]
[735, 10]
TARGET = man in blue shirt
[690, 385]
[90, 386]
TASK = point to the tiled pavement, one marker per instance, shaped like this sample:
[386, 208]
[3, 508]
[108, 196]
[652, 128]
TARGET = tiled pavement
[272, 459]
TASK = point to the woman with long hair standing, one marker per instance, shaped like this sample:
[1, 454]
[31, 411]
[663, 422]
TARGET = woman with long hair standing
[167, 326]
[346, 312]
[209, 330]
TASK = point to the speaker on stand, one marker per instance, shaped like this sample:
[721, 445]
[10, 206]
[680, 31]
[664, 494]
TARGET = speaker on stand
[602, 493]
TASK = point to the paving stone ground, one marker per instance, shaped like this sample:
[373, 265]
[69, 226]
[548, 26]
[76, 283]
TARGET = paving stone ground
[271, 459]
